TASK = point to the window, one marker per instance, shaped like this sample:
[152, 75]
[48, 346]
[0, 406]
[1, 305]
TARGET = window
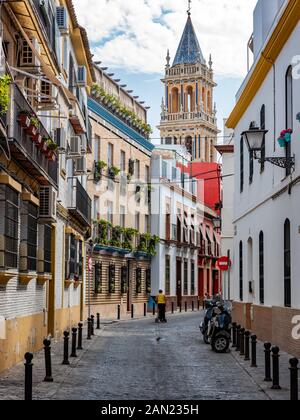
[137, 221]
[110, 155]
[147, 223]
[289, 109]
[263, 127]
[147, 174]
[122, 216]
[242, 165]
[261, 269]
[251, 167]
[137, 169]
[110, 211]
[192, 278]
[9, 202]
[186, 278]
[97, 148]
[80, 261]
[96, 208]
[47, 249]
[287, 264]
[164, 169]
[168, 279]
[241, 272]
[123, 161]
[32, 237]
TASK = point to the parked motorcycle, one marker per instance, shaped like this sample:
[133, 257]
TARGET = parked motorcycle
[216, 328]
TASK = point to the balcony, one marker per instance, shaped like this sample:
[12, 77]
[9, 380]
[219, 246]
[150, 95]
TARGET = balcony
[22, 147]
[188, 117]
[79, 202]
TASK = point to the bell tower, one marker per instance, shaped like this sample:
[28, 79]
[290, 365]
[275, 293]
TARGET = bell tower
[188, 114]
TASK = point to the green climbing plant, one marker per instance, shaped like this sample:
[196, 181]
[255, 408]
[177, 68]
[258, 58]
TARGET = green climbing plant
[5, 82]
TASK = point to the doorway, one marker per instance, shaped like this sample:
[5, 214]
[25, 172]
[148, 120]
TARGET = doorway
[179, 281]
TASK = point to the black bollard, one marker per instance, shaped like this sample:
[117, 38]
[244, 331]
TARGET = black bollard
[119, 312]
[79, 345]
[47, 350]
[89, 329]
[66, 348]
[198, 305]
[253, 351]
[180, 307]
[247, 346]
[234, 325]
[268, 347]
[294, 379]
[92, 325]
[173, 308]
[74, 340]
[28, 376]
[185, 307]
[145, 309]
[242, 342]
[154, 309]
[238, 338]
[98, 322]
[275, 357]
[193, 306]
[132, 311]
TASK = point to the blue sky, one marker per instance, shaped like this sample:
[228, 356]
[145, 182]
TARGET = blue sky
[132, 39]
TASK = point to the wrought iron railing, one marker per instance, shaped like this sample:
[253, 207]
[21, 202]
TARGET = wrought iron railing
[79, 201]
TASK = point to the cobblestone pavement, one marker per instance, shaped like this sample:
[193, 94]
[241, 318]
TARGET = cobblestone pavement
[140, 360]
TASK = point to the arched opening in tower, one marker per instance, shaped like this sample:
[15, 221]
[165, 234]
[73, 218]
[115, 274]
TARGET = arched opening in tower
[189, 144]
[190, 99]
[175, 100]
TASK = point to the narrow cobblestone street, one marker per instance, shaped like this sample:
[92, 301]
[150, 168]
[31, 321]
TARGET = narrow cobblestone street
[139, 360]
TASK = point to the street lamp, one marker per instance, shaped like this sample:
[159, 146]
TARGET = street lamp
[254, 140]
[217, 222]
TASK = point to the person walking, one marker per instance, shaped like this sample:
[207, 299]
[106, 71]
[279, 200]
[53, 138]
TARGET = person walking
[161, 303]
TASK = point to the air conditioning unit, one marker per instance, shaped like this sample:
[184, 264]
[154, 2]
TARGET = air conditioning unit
[61, 139]
[80, 166]
[27, 57]
[82, 76]
[47, 210]
[75, 146]
[62, 20]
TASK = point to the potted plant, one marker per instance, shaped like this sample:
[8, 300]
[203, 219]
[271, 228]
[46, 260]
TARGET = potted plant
[99, 167]
[285, 137]
[24, 118]
[37, 138]
[113, 172]
[51, 149]
[33, 127]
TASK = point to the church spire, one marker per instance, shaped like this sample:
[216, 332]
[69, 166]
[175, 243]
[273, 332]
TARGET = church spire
[189, 50]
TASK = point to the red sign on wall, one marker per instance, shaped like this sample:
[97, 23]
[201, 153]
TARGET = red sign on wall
[224, 263]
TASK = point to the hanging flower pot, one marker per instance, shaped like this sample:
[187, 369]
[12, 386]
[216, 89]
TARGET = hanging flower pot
[24, 119]
[37, 138]
[31, 130]
[281, 142]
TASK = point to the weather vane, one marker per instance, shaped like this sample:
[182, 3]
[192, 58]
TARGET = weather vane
[189, 7]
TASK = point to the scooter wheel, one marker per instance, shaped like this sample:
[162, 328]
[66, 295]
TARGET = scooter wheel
[220, 344]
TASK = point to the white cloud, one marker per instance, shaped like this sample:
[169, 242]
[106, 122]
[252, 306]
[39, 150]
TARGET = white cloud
[135, 34]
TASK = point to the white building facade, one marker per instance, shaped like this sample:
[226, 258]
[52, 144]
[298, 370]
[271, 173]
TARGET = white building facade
[174, 220]
[267, 197]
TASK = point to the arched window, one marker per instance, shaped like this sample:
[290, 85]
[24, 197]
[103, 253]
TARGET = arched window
[242, 165]
[190, 99]
[289, 109]
[261, 268]
[189, 144]
[287, 264]
[175, 100]
[209, 104]
[263, 127]
[241, 271]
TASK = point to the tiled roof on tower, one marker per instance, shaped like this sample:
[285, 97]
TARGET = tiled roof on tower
[189, 50]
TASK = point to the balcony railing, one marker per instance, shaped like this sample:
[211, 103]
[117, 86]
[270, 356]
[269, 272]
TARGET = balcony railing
[188, 116]
[22, 147]
[79, 202]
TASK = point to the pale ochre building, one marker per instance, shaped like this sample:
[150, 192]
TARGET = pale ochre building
[188, 112]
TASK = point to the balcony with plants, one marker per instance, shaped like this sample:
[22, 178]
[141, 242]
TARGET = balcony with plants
[114, 105]
[29, 142]
[123, 241]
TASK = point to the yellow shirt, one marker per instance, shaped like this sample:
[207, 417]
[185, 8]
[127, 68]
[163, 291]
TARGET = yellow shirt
[161, 299]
